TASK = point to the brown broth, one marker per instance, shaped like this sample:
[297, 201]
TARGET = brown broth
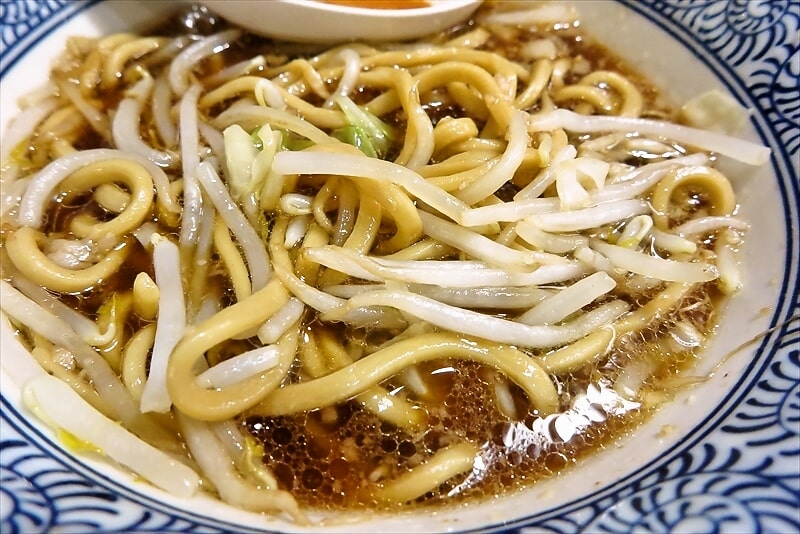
[333, 458]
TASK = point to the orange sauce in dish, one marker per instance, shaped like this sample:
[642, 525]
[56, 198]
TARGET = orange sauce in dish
[381, 4]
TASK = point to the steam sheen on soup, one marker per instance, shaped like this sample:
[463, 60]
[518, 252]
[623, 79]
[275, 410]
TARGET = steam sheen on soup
[363, 276]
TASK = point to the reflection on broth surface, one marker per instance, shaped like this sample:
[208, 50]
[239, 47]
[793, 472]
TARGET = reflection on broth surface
[366, 276]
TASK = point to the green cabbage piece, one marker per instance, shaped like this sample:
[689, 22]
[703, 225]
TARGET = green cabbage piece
[366, 132]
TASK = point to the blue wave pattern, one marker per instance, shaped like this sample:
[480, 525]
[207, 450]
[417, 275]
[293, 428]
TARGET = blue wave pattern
[733, 479]
[39, 493]
[759, 40]
[19, 17]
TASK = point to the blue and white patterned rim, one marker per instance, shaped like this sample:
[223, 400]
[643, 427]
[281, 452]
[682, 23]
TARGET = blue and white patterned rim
[737, 471]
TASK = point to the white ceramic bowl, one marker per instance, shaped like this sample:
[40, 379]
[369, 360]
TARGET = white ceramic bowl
[318, 22]
[722, 457]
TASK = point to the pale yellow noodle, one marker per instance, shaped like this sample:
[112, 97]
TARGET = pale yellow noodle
[83, 225]
[441, 74]
[325, 66]
[594, 346]
[114, 314]
[133, 176]
[397, 206]
[43, 353]
[61, 147]
[458, 180]
[309, 270]
[145, 297]
[475, 144]
[23, 250]
[64, 123]
[302, 69]
[111, 197]
[532, 162]
[457, 163]
[256, 116]
[391, 408]
[320, 117]
[228, 91]
[368, 222]
[347, 196]
[365, 231]
[229, 255]
[418, 137]
[92, 69]
[166, 201]
[450, 130]
[630, 102]
[114, 65]
[580, 353]
[488, 61]
[424, 249]
[444, 465]
[223, 403]
[710, 181]
[321, 203]
[469, 100]
[134, 360]
[561, 67]
[310, 357]
[655, 310]
[472, 39]
[376, 367]
[91, 76]
[594, 96]
[540, 76]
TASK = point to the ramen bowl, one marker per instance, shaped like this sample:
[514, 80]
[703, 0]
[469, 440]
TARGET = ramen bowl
[720, 457]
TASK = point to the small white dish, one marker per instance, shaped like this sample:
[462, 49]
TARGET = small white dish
[321, 22]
